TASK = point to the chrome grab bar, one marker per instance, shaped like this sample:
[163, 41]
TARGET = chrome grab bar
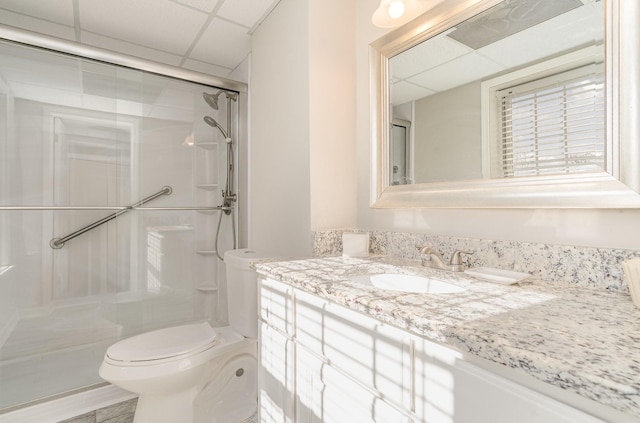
[57, 243]
[93, 208]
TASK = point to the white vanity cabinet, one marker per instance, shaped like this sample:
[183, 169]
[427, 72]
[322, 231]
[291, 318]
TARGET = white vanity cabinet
[326, 394]
[349, 367]
[449, 389]
[322, 362]
[276, 352]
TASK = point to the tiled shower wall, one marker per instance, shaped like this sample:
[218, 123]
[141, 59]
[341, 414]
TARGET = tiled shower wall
[581, 266]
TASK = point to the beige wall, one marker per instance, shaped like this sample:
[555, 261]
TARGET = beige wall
[301, 158]
[279, 220]
[447, 135]
[332, 114]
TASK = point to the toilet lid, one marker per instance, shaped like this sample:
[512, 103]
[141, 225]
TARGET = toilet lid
[163, 343]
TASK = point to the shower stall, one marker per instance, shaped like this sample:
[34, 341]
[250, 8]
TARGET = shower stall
[112, 210]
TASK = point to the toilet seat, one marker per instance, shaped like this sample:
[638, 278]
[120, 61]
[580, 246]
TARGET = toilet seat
[164, 344]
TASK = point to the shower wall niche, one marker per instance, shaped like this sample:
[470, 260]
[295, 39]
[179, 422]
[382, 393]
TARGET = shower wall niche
[80, 141]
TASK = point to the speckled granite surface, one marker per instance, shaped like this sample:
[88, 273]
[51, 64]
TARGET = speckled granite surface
[599, 268]
[583, 340]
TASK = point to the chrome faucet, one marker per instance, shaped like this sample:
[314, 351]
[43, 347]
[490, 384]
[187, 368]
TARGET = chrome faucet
[433, 259]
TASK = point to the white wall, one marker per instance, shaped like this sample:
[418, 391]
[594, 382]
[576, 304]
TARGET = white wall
[279, 218]
[302, 166]
[597, 228]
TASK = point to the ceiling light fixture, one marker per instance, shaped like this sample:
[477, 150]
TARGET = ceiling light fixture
[393, 13]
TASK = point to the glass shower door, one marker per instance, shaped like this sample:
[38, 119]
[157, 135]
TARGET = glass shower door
[80, 141]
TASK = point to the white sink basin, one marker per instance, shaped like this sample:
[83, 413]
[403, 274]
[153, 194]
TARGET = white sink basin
[407, 283]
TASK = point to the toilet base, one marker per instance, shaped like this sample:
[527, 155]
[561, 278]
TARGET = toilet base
[177, 407]
[230, 396]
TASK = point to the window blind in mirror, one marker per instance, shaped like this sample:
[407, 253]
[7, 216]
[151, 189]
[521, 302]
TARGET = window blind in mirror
[553, 125]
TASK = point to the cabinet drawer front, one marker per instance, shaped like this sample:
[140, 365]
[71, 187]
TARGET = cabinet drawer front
[309, 387]
[350, 402]
[310, 316]
[276, 305]
[374, 354]
[276, 376]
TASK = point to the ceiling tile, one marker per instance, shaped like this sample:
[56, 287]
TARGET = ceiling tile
[164, 31]
[37, 25]
[427, 55]
[159, 24]
[246, 12]
[402, 92]
[204, 5]
[58, 11]
[213, 46]
[457, 72]
[208, 68]
[123, 47]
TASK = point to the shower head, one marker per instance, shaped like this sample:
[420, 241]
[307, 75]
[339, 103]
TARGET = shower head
[212, 99]
[212, 122]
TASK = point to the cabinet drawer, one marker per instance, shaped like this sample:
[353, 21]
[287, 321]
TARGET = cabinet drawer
[350, 402]
[374, 354]
[325, 395]
[310, 316]
[276, 305]
[276, 379]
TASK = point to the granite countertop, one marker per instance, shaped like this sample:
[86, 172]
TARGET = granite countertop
[583, 340]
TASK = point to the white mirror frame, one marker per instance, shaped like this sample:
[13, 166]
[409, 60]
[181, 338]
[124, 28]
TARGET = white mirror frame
[618, 188]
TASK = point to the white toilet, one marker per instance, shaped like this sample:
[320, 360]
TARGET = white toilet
[196, 373]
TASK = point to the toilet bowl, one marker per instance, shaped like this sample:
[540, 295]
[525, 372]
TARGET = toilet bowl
[195, 373]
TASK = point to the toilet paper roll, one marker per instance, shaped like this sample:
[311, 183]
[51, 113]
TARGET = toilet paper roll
[355, 244]
[632, 275]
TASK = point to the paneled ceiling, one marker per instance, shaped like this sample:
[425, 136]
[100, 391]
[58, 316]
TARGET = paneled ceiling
[442, 62]
[209, 36]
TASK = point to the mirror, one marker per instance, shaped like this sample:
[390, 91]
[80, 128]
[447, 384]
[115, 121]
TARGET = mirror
[510, 103]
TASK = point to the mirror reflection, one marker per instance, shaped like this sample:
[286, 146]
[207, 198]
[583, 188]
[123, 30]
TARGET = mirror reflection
[515, 91]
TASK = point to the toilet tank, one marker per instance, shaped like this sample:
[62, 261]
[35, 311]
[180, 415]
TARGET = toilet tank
[242, 291]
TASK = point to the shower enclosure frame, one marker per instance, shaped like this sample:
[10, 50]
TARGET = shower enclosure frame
[18, 36]
[71, 48]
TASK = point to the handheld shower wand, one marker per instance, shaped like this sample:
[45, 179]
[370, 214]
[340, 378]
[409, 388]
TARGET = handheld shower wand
[228, 196]
[212, 122]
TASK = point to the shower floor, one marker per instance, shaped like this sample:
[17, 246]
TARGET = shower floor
[60, 350]
[60, 329]
[54, 353]
[43, 375]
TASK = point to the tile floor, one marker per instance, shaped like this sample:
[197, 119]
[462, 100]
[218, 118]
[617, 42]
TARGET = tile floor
[117, 413]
